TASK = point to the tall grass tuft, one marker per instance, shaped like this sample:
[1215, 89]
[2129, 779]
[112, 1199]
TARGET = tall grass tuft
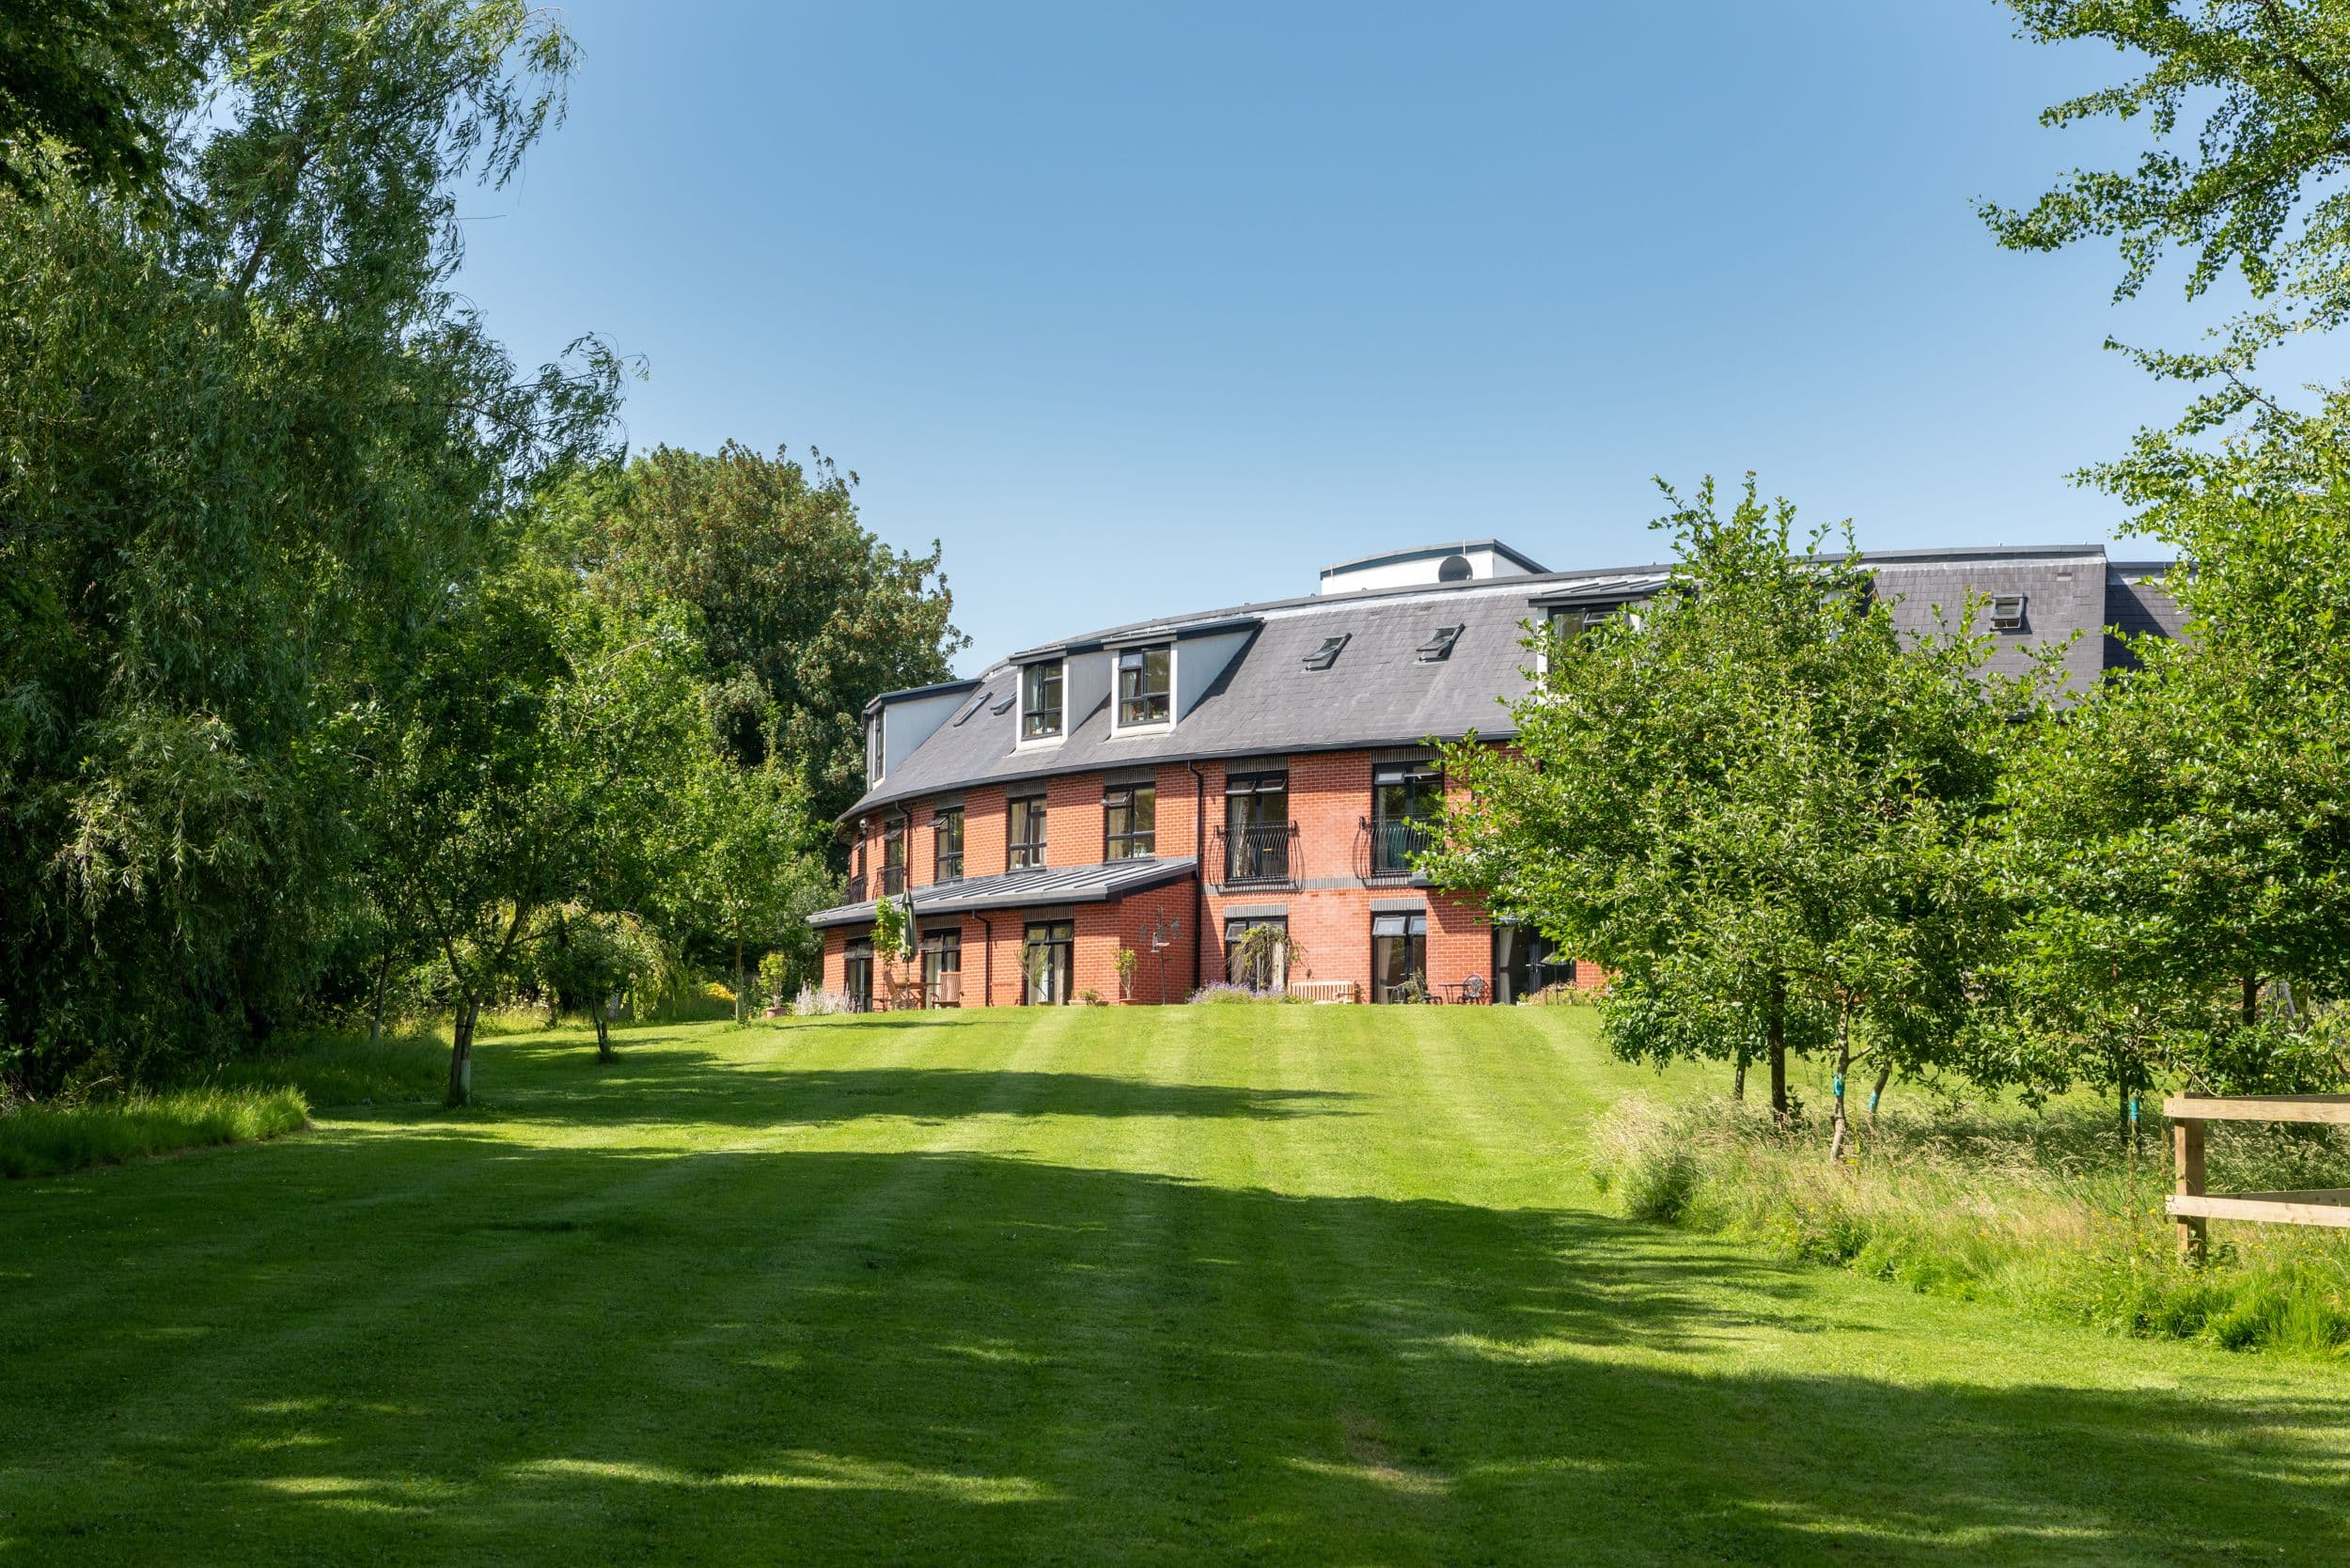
[337, 1070]
[2047, 1213]
[50, 1139]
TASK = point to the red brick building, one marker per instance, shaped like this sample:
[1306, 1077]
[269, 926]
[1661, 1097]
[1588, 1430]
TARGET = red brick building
[1157, 789]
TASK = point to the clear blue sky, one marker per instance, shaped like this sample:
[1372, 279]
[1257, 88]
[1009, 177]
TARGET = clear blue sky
[1141, 311]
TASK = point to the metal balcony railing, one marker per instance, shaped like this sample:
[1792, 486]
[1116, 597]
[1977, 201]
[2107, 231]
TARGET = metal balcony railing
[1258, 854]
[1393, 842]
[893, 881]
[853, 891]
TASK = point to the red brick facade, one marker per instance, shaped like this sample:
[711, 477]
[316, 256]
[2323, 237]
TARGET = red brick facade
[1329, 899]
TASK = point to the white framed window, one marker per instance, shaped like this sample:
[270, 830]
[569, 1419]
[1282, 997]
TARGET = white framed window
[2006, 612]
[875, 755]
[1042, 708]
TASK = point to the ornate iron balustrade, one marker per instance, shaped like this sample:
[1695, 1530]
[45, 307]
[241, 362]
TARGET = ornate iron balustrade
[853, 890]
[1259, 854]
[893, 881]
[1391, 843]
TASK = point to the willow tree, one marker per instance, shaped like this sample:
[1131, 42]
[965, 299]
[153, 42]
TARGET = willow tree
[250, 438]
[1755, 802]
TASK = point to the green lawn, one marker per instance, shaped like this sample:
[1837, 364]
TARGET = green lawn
[1316, 1285]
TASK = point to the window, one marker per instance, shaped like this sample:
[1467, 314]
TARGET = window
[1130, 822]
[1570, 621]
[1398, 957]
[1142, 685]
[1269, 971]
[874, 752]
[2006, 612]
[1327, 654]
[856, 974]
[941, 968]
[1048, 959]
[1405, 798]
[893, 878]
[1040, 700]
[1439, 646]
[1257, 827]
[946, 837]
[1025, 839]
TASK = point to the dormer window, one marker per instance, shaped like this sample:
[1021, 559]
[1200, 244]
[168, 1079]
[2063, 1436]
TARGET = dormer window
[1327, 654]
[1041, 700]
[2006, 612]
[1144, 684]
[1439, 646]
[874, 755]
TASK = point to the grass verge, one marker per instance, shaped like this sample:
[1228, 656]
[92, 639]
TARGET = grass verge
[47, 1141]
[2049, 1213]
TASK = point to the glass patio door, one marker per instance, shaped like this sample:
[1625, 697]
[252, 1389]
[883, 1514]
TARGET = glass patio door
[1048, 964]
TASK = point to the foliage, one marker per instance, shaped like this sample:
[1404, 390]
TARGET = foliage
[805, 615]
[1755, 803]
[250, 436]
[340, 1070]
[1265, 948]
[2040, 1212]
[749, 874]
[589, 960]
[52, 1140]
[1225, 994]
[816, 1002]
[84, 75]
[526, 765]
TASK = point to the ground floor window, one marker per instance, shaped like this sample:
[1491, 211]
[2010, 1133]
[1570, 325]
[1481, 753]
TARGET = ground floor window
[1266, 967]
[1048, 963]
[1524, 962]
[941, 968]
[856, 973]
[1398, 957]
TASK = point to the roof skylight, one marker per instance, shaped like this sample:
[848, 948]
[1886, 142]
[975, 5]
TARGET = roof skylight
[1327, 654]
[1440, 646]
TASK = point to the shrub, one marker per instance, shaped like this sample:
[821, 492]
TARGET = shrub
[1225, 994]
[2046, 1213]
[813, 1002]
[49, 1139]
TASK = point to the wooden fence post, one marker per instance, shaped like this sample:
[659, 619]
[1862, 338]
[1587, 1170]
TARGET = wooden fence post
[2186, 1145]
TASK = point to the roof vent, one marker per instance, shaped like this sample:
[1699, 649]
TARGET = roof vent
[2006, 612]
[1440, 646]
[1327, 654]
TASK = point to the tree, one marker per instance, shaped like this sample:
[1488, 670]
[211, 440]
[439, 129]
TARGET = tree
[805, 614]
[590, 958]
[1754, 801]
[251, 441]
[527, 765]
[750, 875]
[92, 77]
[2179, 843]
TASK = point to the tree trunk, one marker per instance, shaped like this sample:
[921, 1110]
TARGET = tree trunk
[1885, 1074]
[2251, 1000]
[599, 1011]
[1843, 1124]
[383, 985]
[740, 1011]
[1775, 1025]
[1738, 1077]
[460, 1052]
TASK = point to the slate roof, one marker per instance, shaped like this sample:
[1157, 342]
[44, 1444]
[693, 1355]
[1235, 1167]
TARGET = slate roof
[1379, 694]
[1097, 884]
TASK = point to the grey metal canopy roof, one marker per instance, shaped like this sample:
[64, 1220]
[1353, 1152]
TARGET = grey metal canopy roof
[1097, 884]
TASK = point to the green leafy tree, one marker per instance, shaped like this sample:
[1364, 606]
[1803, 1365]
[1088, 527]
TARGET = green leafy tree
[589, 959]
[805, 614]
[92, 79]
[1756, 803]
[527, 766]
[2179, 844]
[251, 440]
[749, 875]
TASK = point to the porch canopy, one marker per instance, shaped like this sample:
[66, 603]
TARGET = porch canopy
[1104, 883]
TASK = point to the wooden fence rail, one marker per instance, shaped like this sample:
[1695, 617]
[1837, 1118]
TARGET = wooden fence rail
[2191, 1206]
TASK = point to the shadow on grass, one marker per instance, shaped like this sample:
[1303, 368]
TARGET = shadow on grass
[569, 1355]
[701, 1086]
